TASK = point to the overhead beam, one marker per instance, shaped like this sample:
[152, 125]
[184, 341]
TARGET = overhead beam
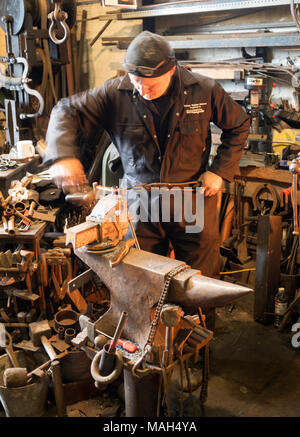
[185, 7]
[283, 39]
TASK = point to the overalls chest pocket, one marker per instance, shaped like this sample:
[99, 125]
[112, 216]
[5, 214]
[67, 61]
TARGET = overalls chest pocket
[193, 134]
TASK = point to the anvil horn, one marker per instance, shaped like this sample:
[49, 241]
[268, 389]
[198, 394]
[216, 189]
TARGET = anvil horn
[206, 292]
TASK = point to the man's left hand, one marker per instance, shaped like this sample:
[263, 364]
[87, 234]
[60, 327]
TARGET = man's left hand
[211, 182]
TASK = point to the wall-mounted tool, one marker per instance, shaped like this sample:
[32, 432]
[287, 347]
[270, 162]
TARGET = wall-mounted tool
[31, 52]
[259, 139]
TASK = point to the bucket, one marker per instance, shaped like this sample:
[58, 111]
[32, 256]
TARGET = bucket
[29, 400]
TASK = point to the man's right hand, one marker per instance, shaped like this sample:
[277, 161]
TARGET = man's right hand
[68, 174]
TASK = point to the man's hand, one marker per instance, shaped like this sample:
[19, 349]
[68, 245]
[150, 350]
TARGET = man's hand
[211, 182]
[68, 174]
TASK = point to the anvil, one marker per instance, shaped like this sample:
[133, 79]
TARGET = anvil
[135, 286]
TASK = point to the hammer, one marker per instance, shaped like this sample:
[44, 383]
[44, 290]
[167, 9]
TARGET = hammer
[39, 333]
[19, 374]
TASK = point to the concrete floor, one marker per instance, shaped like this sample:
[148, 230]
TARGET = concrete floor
[254, 372]
[254, 368]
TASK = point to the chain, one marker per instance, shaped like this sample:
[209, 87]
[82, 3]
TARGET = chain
[161, 302]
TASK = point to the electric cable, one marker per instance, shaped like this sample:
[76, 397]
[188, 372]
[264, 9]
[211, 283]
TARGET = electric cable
[294, 15]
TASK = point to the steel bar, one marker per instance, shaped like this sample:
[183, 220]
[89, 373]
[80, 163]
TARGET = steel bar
[118, 332]
[198, 29]
[61, 410]
[235, 40]
[168, 9]
[268, 253]
[141, 394]
[201, 41]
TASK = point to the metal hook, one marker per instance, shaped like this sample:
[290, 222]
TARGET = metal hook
[60, 17]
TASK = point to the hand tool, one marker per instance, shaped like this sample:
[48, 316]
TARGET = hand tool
[125, 344]
[17, 376]
[108, 363]
[9, 350]
[295, 170]
[39, 333]
[118, 332]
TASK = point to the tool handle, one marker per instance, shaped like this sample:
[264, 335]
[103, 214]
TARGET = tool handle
[118, 332]
[127, 346]
[46, 364]
[295, 204]
[48, 348]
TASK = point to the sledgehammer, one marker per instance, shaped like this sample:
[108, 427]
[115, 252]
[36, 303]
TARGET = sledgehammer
[39, 333]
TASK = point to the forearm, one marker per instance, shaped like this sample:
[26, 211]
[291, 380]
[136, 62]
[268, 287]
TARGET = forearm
[228, 156]
[235, 125]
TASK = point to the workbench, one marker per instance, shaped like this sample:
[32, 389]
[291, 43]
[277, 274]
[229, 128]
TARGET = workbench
[31, 237]
[17, 173]
[254, 178]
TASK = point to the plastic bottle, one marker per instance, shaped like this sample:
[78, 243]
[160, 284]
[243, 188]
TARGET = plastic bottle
[281, 305]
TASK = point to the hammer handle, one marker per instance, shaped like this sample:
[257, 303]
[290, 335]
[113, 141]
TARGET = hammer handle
[46, 364]
[48, 348]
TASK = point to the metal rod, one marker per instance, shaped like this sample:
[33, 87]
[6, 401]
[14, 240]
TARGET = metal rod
[100, 33]
[58, 389]
[295, 206]
[134, 234]
[119, 330]
[191, 7]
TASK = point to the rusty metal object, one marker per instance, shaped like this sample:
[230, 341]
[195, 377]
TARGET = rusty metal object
[11, 226]
[141, 394]
[16, 377]
[9, 350]
[39, 331]
[137, 283]
[31, 208]
[66, 319]
[170, 317]
[58, 389]
[295, 170]
[46, 364]
[106, 225]
[70, 333]
[118, 331]
[109, 360]
[268, 256]
[112, 374]
[4, 223]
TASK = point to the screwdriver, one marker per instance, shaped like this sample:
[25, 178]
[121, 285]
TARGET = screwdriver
[125, 344]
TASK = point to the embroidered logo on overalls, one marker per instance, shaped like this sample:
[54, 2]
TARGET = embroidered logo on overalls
[195, 108]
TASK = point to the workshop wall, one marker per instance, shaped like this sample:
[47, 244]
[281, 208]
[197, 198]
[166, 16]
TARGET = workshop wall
[193, 24]
[2, 43]
[100, 62]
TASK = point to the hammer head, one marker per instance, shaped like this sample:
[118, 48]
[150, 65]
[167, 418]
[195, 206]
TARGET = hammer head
[37, 329]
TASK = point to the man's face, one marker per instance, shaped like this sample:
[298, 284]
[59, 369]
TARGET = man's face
[151, 88]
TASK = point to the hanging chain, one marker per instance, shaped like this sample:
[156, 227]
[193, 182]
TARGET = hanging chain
[154, 323]
[161, 302]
